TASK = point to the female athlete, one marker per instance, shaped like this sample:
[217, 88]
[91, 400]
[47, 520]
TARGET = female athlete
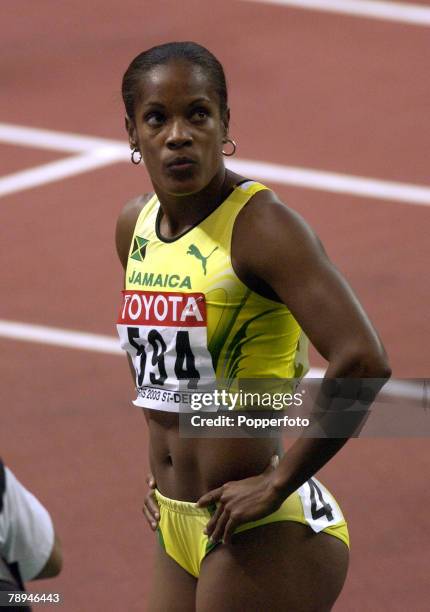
[220, 279]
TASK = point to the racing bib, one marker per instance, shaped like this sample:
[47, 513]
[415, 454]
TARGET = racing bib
[165, 334]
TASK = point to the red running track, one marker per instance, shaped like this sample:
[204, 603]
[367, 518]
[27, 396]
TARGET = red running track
[307, 89]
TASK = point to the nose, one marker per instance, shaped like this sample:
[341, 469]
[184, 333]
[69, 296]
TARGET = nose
[179, 135]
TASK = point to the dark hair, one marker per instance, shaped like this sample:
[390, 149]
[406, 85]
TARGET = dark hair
[162, 54]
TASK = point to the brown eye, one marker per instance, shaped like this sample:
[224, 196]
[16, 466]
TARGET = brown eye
[199, 115]
[154, 119]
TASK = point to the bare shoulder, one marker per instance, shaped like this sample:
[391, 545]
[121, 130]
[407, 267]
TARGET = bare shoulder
[126, 223]
[266, 226]
[275, 250]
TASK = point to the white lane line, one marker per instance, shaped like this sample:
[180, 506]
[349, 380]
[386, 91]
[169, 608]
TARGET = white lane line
[109, 345]
[333, 182]
[57, 170]
[407, 389]
[315, 373]
[13, 330]
[101, 152]
[416, 14]
[48, 139]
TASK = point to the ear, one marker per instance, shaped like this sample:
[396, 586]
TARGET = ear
[131, 131]
[226, 121]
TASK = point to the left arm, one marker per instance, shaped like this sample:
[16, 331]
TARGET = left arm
[27, 533]
[276, 252]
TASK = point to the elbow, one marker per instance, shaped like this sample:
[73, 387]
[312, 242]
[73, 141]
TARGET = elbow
[366, 363]
[56, 567]
[56, 559]
[374, 364]
[386, 372]
[54, 564]
[377, 364]
[53, 570]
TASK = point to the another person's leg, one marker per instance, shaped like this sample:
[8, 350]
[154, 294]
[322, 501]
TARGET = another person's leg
[279, 566]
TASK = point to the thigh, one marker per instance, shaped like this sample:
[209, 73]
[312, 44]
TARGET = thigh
[279, 566]
[173, 589]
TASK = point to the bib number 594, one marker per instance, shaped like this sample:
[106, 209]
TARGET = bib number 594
[154, 347]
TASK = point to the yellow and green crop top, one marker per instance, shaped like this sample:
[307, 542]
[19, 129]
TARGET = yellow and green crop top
[187, 320]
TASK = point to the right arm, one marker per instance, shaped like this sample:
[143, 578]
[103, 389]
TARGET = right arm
[123, 236]
[125, 226]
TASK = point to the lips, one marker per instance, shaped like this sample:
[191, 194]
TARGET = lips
[180, 162]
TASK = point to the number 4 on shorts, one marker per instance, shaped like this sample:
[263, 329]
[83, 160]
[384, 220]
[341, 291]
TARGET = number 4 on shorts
[319, 506]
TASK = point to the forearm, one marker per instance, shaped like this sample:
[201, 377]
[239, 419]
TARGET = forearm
[302, 460]
[339, 412]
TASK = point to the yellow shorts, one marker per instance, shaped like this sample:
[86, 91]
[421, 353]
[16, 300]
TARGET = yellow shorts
[181, 524]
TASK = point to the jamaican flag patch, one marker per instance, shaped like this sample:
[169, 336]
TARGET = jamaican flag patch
[138, 251]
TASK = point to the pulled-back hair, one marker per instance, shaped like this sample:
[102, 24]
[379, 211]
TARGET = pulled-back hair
[163, 54]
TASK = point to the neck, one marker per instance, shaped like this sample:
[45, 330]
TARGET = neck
[179, 213]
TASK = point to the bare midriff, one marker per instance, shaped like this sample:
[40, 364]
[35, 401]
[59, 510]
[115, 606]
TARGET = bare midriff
[186, 468]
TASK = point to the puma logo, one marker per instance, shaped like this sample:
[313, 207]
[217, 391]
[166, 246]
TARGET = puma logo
[193, 250]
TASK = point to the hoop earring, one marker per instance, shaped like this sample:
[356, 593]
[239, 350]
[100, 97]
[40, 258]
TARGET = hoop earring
[233, 144]
[133, 160]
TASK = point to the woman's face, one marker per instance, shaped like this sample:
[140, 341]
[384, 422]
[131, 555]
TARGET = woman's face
[178, 128]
